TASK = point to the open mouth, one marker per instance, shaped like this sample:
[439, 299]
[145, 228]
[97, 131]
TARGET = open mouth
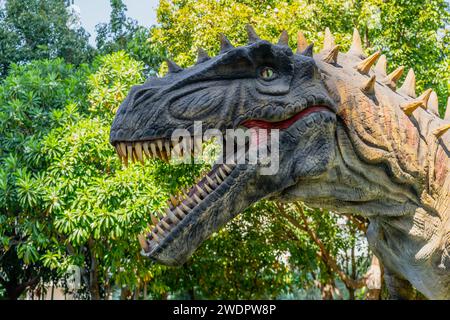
[284, 124]
[180, 207]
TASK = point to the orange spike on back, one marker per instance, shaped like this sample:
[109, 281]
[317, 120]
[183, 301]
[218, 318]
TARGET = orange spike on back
[328, 41]
[424, 97]
[433, 104]
[409, 85]
[332, 55]
[356, 47]
[439, 132]
[381, 65]
[365, 65]
[302, 43]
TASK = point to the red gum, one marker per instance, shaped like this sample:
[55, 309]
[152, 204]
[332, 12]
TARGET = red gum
[285, 123]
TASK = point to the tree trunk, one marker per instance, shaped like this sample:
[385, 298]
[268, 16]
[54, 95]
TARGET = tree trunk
[145, 290]
[14, 290]
[125, 293]
[93, 274]
[327, 291]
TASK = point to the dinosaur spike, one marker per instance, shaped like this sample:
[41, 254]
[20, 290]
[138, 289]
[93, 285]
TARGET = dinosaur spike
[381, 65]
[447, 110]
[396, 74]
[424, 98]
[284, 39]
[302, 43]
[441, 130]
[328, 41]
[369, 86]
[433, 103]
[173, 67]
[308, 51]
[202, 55]
[252, 36]
[356, 47]
[410, 107]
[225, 44]
[409, 85]
[365, 65]
[332, 56]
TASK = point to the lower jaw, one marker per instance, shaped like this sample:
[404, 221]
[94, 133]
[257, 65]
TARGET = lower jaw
[200, 223]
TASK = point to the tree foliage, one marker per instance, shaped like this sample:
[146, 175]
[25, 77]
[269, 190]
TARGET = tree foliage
[124, 33]
[39, 29]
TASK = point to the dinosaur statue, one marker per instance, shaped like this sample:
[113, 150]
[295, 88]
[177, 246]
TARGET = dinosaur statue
[349, 141]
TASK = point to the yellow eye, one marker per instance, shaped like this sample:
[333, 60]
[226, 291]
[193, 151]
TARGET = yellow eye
[267, 73]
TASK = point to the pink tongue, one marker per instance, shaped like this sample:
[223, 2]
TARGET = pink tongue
[262, 124]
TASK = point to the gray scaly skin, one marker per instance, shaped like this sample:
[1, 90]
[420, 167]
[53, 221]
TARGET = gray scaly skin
[359, 145]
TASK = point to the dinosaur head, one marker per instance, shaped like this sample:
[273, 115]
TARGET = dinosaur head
[348, 140]
[257, 86]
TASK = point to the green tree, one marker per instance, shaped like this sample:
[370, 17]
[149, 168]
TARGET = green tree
[33, 99]
[124, 33]
[39, 29]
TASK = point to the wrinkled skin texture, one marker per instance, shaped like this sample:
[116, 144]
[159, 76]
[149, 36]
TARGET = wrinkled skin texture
[355, 153]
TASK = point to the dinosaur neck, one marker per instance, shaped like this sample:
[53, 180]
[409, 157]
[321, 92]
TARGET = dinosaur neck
[383, 136]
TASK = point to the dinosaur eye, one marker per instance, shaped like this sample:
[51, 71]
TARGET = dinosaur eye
[267, 73]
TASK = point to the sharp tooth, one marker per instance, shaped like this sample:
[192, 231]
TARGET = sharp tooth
[180, 212]
[154, 219]
[159, 143]
[130, 152]
[123, 149]
[166, 225]
[223, 174]
[227, 168]
[138, 150]
[119, 152]
[212, 183]
[196, 198]
[153, 149]
[161, 231]
[155, 236]
[167, 148]
[185, 207]
[208, 188]
[177, 150]
[172, 216]
[146, 151]
[173, 200]
[201, 191]
[218, 178]
[189, 199]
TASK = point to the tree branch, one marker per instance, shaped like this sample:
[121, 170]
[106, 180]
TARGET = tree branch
[323, 254]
